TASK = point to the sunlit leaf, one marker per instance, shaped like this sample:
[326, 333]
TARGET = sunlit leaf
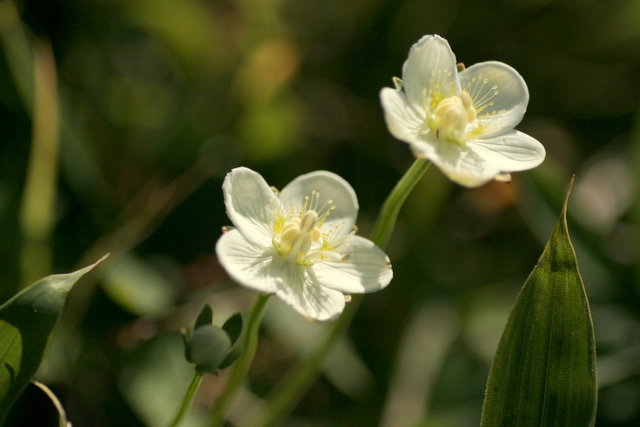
[544, 370]
[26, 323]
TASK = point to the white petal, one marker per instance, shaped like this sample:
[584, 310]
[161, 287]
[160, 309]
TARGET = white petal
[430, 71]
[366, 270]
[460, 164]
[500, 96]
[255, 267]
[249, 201]
[305, 295]
[330, 187]
[510, 152]
[402, 120]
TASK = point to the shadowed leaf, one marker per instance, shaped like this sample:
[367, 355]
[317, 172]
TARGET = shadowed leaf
[205, 317]
[233, 327]
[544, 370]
[26, 323]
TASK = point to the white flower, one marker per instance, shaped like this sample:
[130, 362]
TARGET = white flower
[299, 244]
[462, 122]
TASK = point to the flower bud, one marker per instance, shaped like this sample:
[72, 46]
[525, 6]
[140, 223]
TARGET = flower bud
[208, 347]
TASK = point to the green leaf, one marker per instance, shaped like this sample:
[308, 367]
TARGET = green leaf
[233, 327]
[205, 317]
[232, 356]
[185, 339]
[544, 370]
[26, 323]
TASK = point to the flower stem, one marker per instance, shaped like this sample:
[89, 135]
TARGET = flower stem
[188, 397]
[241, 366]
[389, 212]
[292, 388]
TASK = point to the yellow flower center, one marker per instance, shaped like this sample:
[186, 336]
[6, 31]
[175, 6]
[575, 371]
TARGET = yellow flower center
[451, 117]
[298, 235]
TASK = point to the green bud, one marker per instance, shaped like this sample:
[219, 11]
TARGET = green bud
[208, 347]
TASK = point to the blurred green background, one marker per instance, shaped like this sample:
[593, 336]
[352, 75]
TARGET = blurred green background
[119, 120]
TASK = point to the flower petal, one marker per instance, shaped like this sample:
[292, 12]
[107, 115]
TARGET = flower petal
[460, 164]
[430, 72]
[402, 120]
[500, 96]
[249, 265]
[366, 270]
[510, 152]
[481, 160]
[305, 295]
[250, 204]
[330, 187]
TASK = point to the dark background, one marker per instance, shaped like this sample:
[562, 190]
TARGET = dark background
[159, 99]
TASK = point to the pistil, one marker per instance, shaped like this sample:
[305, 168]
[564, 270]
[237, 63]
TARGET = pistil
[451, 117]
[298, 236]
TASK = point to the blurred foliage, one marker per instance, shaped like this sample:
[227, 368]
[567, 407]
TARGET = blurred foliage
[158, 99]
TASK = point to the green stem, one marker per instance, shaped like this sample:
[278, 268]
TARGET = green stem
[293, 386]
[188, 397]
[391, 207]
[241, 366]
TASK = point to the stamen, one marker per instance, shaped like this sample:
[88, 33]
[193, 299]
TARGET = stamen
[482, 98]
[298, 232]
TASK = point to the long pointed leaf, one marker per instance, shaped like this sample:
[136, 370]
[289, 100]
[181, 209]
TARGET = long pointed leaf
[544, 370]
[26, 323]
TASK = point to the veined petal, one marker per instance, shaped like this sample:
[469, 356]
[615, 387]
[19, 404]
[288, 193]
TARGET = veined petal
[367, 269]
[499, 94]
[429, 73]
[330, 187]
[305, 295]
[255, 267]
[402, 120]
[250, 204]
[459, 163]
[510, 152]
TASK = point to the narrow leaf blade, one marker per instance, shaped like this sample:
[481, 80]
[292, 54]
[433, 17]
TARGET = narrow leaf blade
[26, 323]
[544, 371]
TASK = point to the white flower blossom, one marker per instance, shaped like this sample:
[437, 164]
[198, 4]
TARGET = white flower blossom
[461, 121]
[299, 243]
